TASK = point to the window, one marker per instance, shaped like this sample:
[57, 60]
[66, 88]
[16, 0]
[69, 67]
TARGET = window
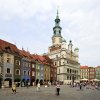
[8, 60]
[67, 70]
[28, 72]
[28, 64]
[59, 31]
[24, 72]
[33, 65]
[33, 73]
[67, 77]
[70, 70]
[38, 73]
[54, 31]
[8, 70]
[70, 77]
[55, 63]
[17, 72]
[17, 62]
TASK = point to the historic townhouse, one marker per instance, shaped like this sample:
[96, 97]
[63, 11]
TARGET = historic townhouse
[39, 69]
[41, 60]
[97, 72]
[91, 73]
[65, 59]
[8, 53]
[17, 68]
[84, 72]
[87, 72]
[33, 69]
[46, 72]
[1, 66]
[25, 67]
[51, 68]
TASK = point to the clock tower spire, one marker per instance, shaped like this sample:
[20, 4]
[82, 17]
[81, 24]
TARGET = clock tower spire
[57, 38]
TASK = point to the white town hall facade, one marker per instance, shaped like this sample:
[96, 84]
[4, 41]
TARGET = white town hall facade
[63, 55]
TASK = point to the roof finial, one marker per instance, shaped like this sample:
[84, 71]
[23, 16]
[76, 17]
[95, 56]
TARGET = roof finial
[57, 12]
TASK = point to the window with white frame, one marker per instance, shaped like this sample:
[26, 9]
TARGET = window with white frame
[17, 62]
[33, 73]
[33, 65]
[8, 71]
[17, 72]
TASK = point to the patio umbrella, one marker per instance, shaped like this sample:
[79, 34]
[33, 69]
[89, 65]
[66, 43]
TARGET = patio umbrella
[84, 79]
[95, 79]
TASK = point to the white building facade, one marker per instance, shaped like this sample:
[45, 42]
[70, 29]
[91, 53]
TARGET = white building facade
[63, 55]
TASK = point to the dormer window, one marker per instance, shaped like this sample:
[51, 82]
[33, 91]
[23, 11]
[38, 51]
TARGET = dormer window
[7, 48]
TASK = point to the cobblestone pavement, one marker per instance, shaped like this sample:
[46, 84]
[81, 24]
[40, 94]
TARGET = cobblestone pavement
[49, 93]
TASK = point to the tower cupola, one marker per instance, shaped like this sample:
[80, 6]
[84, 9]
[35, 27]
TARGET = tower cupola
[57, 38]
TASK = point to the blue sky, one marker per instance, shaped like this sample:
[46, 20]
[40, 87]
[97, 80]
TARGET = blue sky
[29, 23]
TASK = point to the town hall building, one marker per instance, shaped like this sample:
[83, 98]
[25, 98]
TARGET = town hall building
[63, 55]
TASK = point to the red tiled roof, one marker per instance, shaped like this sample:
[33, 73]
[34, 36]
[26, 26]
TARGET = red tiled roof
[8, 47]
[26, 54]
[83, 67]
[97, 67]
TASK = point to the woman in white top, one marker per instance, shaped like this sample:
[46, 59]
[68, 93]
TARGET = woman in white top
[58, 88]
[38, 86]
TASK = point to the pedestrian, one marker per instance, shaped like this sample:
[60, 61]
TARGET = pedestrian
[38, 87]
[14, 88]
[80, 86]
[57, 88]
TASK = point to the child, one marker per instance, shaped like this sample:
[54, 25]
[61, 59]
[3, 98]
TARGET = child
[14, 88]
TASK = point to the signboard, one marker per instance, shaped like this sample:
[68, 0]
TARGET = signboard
[8, 75]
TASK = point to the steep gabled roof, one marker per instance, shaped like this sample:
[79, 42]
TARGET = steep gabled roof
[25, 54]
[8, 47]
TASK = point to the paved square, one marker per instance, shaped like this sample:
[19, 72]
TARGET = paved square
[49, 93]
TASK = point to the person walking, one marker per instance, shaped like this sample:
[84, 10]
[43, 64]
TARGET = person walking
[80, 86]
[38, 87]
[57, 88]
[14, 88]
